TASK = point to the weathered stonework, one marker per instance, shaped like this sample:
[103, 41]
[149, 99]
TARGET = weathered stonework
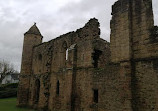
[79, 71]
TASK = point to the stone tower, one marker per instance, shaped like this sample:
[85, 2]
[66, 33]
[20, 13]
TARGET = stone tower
[130, 29]
[133, 47]
[32, 38]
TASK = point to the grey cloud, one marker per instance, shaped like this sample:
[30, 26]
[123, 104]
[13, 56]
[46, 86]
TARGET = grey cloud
[85, 9]
[53, 17]
[155, 9]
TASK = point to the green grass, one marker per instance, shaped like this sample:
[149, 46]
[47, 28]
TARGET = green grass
[9, 104]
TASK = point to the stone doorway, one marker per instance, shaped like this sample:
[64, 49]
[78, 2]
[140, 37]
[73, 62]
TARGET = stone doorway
[36, 91]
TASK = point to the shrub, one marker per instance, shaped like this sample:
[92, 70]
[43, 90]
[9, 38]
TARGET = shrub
[8, 90]
[11, 92]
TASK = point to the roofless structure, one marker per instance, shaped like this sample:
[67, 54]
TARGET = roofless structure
[79, 71]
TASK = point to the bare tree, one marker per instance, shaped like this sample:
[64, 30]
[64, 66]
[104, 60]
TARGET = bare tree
[6, 68]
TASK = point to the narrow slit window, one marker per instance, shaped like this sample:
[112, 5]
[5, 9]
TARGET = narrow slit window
[67, 54]
[83, 57]
[95, 95]
[57, 88]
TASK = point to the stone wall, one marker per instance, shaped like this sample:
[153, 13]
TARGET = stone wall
[41, 70]
[133, 43]
[79, 71]
[91, 80]
[146, 86]
[142, 24]
[120, 38]
[80, 45]
[51, 67]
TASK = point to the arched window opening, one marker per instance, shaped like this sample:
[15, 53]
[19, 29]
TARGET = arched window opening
[37, 90]
[58, 88]
[64, 52]
[67, 52]
[96, 55]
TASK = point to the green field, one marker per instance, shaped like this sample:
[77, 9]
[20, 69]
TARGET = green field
[9, 104]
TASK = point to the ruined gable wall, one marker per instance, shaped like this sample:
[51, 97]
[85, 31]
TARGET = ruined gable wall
[63, 70]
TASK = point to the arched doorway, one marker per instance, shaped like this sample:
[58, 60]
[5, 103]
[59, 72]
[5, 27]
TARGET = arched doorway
[36, 91]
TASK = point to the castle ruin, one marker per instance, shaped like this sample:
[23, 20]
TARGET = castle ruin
[79, 71]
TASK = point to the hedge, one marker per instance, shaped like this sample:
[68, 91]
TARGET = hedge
[8, 90]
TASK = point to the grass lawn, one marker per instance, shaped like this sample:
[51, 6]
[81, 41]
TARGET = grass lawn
[9, 104]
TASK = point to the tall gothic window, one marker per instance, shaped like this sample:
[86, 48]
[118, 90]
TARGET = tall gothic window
[67, 54]
[64, 54]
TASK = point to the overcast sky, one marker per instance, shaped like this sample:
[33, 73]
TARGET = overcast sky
[53, 17]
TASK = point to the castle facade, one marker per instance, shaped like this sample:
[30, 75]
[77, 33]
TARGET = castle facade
[79, 71]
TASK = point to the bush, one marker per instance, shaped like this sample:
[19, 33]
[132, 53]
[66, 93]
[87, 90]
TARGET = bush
[8, 90]
[11, 85]
[12, 92]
